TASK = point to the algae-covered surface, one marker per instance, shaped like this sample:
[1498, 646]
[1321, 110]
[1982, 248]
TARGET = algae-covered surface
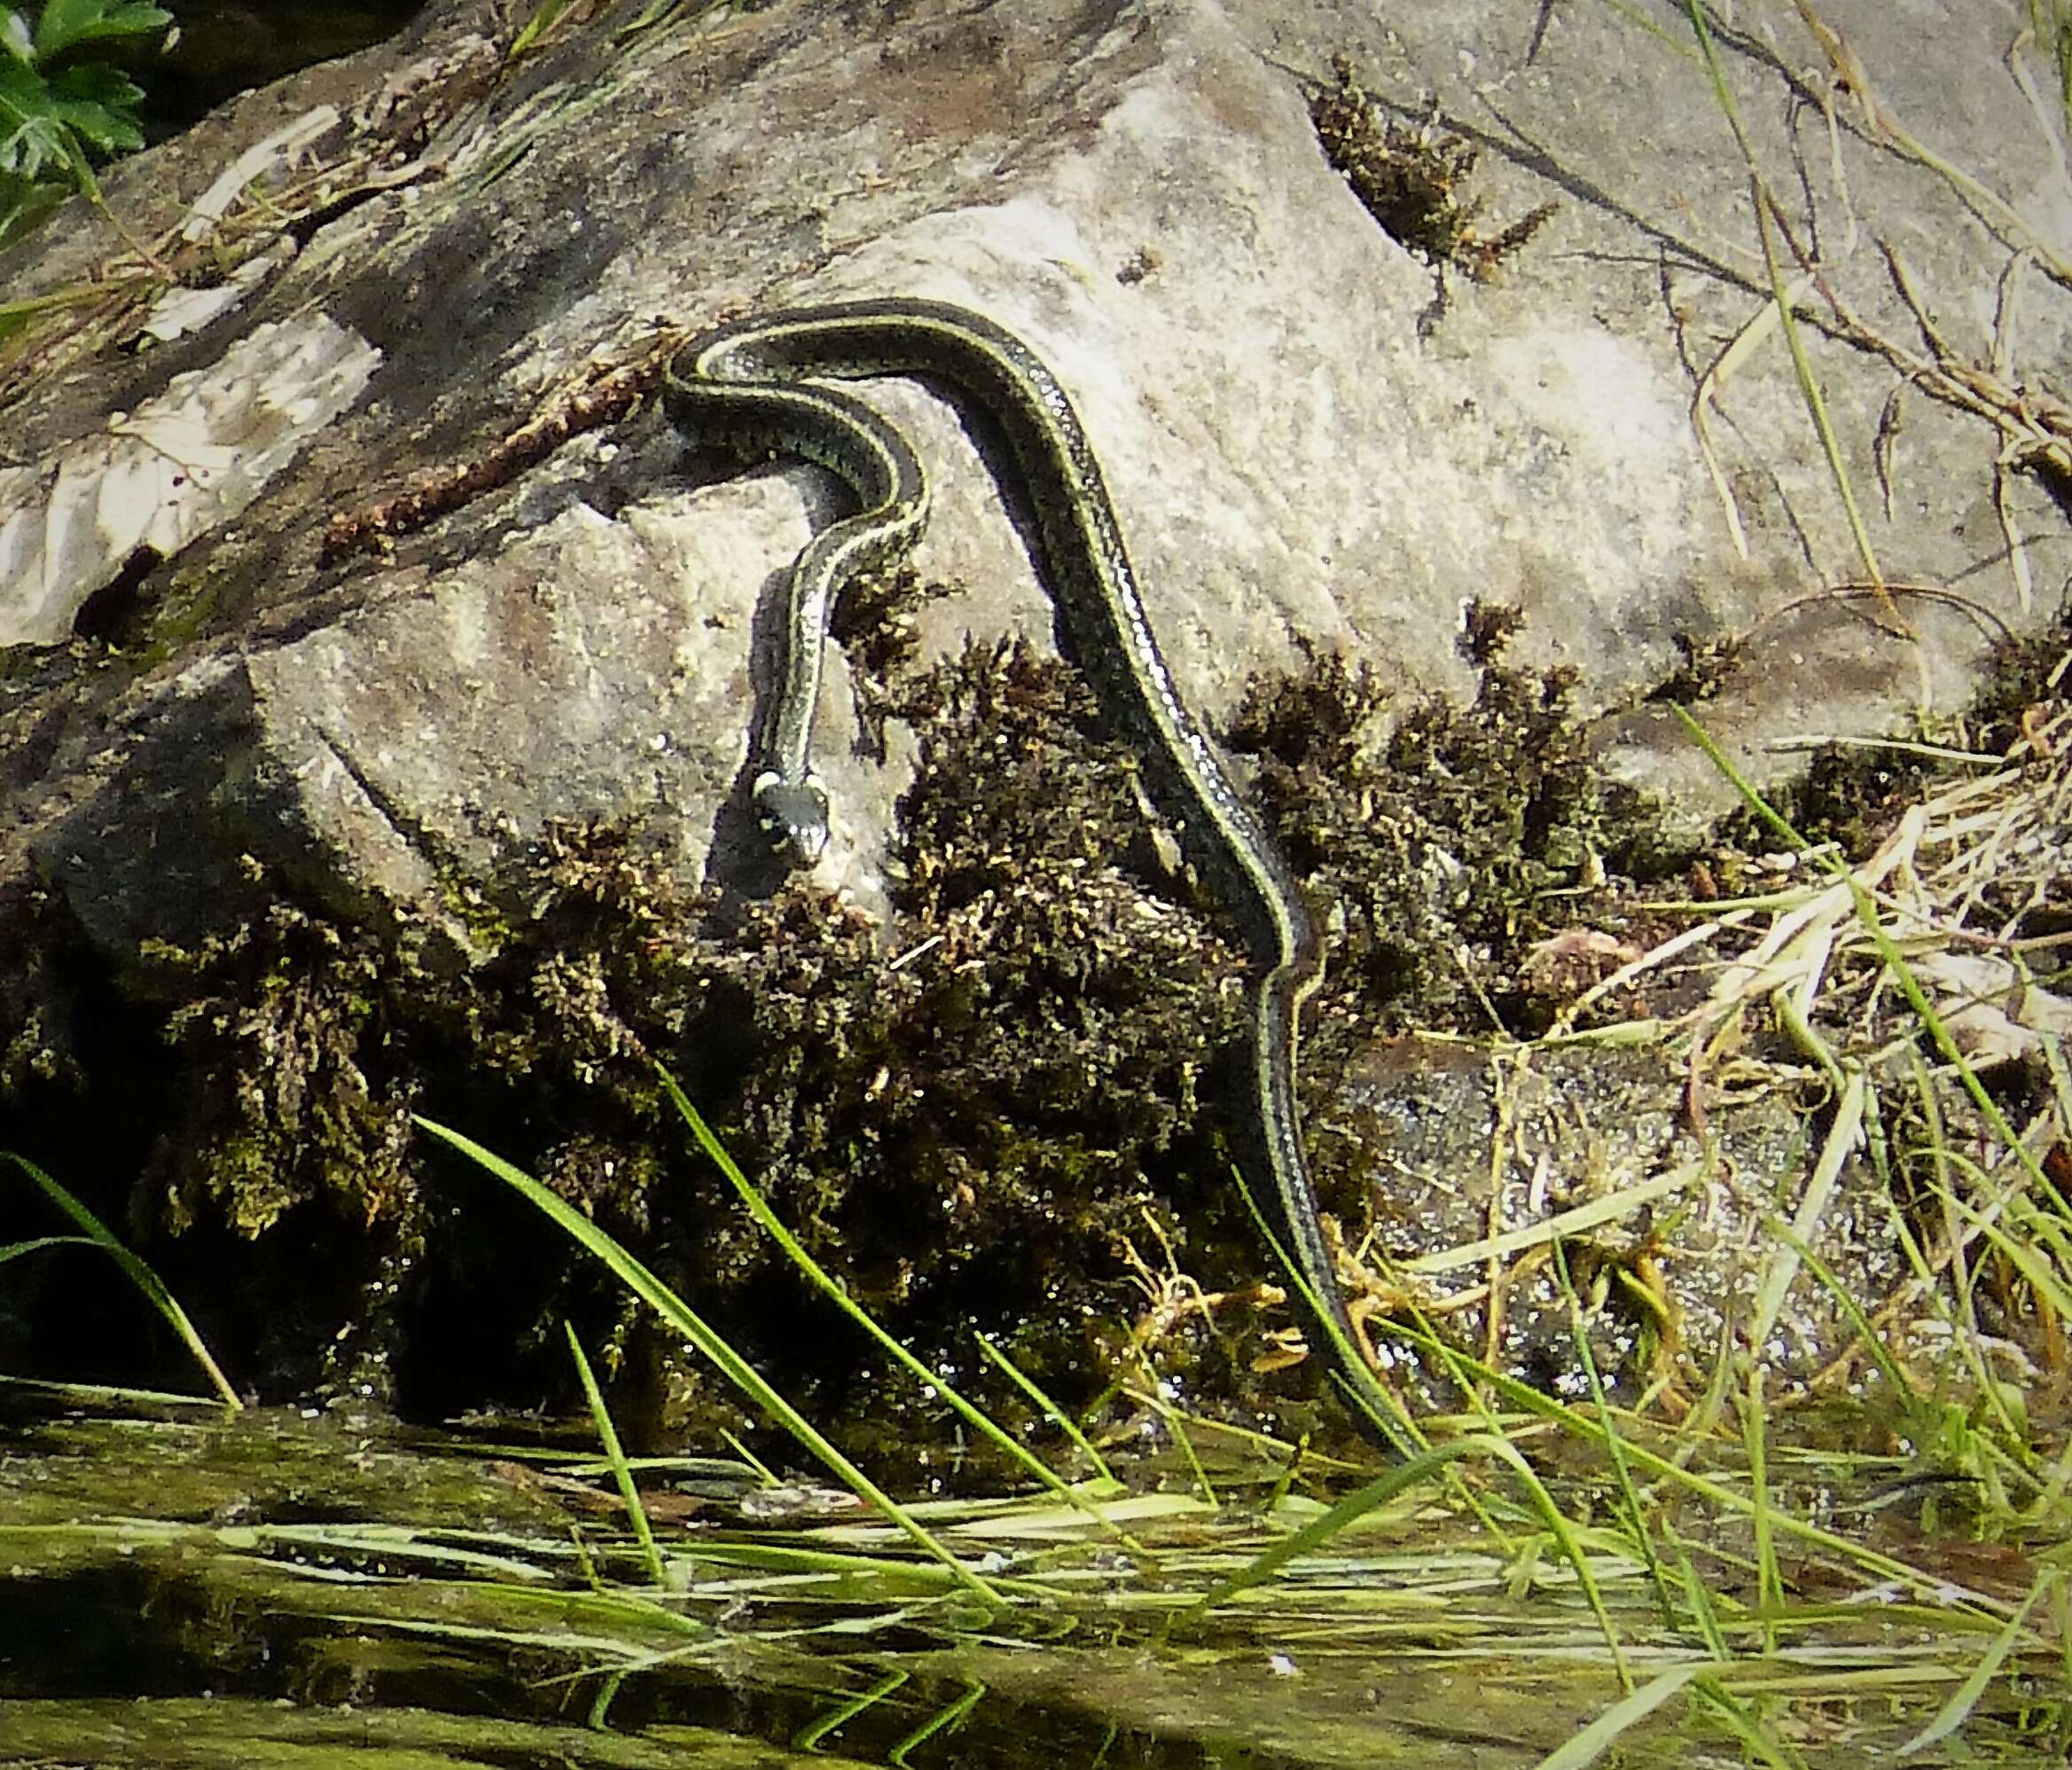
[201, 1589]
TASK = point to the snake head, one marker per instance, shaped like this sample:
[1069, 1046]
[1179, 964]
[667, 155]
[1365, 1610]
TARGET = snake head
[793, 815]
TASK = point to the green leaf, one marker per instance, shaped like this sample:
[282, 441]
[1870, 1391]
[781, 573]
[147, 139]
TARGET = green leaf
[14, 37]
[33, 136]
[67, 22]
[24, 205]
[98, 105]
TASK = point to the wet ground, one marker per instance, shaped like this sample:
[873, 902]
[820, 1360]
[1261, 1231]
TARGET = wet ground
[199, 1589]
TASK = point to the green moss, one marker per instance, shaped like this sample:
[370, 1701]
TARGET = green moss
[968, 1121]
[1414, 181]
[1452, 839]
[961, 1133]
[37, 1052]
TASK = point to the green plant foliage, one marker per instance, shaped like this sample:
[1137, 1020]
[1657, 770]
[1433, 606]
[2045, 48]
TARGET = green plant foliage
[64, 24]
[55, 111]
[148, 1282]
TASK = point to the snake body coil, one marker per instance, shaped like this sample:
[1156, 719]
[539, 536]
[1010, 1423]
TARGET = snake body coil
[743, 384]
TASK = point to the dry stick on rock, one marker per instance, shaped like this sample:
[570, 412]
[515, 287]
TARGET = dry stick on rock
[603, 400]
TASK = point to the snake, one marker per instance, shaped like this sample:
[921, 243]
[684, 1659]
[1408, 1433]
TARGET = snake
[756, 386]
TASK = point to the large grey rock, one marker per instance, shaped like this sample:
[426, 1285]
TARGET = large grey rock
[1308, 446]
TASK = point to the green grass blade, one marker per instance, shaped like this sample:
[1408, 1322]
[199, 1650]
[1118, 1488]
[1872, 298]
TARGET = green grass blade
[1866, 1331]
[1801, 365]
[1758, 1740]
[736, 1369]
[1629, 1712]
[601, 1704]
[1965, 1698]
[1630, 1500]
[1768, 1576]
[543, 20]
[947, 1719]
[138, 1273]
[1633, 15]
[103, 1395]
[1704, 1612]
[608, 1436]
[762, 1470]
[1782, 1267]
[758, 1207]
[1380, 1491]
[1349, 1368]
[15, 1251]
[1044, 1405]
[808, 1737]
[1579, 1425]
[1175, 1422]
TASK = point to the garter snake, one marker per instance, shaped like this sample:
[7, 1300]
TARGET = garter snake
[744, 385]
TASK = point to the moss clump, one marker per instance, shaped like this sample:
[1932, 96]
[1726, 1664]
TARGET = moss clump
[1444, 842]
[280, 1016]
[1412, 181]
[968, 1122]
[962, 1126]
[37, 1047]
